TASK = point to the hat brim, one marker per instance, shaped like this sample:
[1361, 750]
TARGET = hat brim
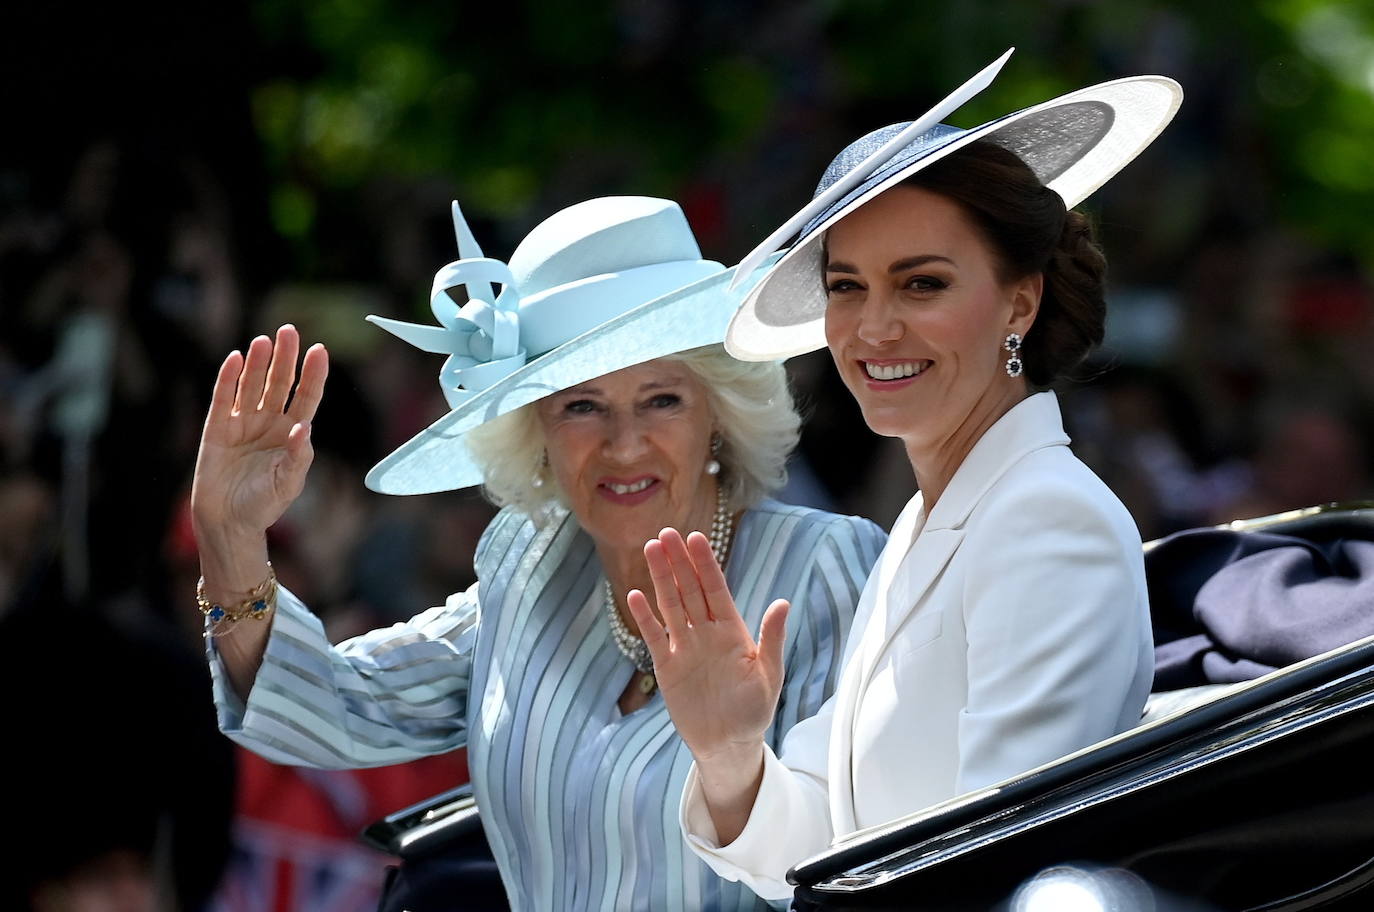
[1075, 143]
[437, 459]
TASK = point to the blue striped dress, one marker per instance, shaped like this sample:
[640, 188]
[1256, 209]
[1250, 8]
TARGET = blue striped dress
[580, 802]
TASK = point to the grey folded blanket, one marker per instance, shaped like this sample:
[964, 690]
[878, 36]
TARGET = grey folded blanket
[1230, 606]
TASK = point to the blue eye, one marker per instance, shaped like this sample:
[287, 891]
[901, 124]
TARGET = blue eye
[580, 407]
[665, 400]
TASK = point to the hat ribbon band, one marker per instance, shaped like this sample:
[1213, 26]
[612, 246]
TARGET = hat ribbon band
[481, 338]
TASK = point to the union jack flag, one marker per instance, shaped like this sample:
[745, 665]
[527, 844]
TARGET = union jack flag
[295, 841]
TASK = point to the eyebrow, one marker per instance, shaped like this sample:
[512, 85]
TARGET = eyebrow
[900, 266]
[585, 390]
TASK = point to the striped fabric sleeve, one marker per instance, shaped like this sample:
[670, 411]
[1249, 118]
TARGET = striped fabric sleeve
[385, 697]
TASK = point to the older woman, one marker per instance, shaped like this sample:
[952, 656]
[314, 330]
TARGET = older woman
[593, 431]
[1006, 623]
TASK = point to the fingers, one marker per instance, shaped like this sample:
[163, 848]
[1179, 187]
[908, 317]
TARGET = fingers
[298, 442]
[711, 577]
[684, 569]
[299, 455]
[310, 390]
[650, 630]
[264, 378]
[253, 375]
[281, 375]
[773, 635]
[665, 588]
[226, 385]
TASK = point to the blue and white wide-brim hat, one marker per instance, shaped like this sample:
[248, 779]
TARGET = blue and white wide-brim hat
[1073, 143]
[598, 287]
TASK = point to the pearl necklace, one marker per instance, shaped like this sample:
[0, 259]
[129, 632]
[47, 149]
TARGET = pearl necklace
[631, 646]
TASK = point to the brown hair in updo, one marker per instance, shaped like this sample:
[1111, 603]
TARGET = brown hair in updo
[1030, 231]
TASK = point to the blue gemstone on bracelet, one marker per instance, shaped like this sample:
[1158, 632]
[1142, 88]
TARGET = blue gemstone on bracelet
[216, 614]
[259, 606]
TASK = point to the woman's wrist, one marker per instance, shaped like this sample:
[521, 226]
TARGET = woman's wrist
[233, 569]
[232, 564]
[730, 781]
[735, 766]
[732, 769]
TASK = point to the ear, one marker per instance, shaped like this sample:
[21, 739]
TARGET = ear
[1025, 302]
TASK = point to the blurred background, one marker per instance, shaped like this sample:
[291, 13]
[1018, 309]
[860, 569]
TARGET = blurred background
[176, 178]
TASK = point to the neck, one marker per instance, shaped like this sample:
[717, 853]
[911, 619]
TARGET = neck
[935, 461]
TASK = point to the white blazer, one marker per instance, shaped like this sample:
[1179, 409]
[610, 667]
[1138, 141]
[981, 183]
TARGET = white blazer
[1006, 629]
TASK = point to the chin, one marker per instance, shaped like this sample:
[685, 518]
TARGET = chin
[889, 422]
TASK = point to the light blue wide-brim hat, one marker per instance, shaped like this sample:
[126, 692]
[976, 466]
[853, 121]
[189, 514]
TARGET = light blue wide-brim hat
[1073, 143]
[598, 287]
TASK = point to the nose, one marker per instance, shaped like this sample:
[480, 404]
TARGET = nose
[626, 440]
[878, 323]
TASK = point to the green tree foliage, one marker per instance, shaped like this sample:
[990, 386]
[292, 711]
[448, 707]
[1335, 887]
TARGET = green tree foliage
[519, 105]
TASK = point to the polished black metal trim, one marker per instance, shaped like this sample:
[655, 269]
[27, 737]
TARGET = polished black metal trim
[1190, 759]
[1277, 705]
[1337, 889]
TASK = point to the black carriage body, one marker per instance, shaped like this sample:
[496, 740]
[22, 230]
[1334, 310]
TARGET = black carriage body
[1259, 800]
[1256, 796]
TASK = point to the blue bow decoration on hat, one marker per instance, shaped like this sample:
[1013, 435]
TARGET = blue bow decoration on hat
[481, 338]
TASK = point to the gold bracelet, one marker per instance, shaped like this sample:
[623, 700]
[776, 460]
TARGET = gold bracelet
[257, 606]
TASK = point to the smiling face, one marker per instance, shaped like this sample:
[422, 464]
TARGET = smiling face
[629, 451]
[915, 318]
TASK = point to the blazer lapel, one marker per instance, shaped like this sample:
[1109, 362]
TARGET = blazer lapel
[899, 586]
[917, 572]
[869, 623]
[1031, 424]
[912, 563]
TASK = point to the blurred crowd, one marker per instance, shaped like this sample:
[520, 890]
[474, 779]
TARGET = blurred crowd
[1237, 381]
[121, 294]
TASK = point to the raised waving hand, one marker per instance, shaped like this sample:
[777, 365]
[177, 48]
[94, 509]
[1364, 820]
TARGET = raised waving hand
[255, 448]
[254, 454]
[721, 687]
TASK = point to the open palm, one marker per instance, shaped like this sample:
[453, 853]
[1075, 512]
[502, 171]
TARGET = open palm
[255, 449]
[721, 687]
